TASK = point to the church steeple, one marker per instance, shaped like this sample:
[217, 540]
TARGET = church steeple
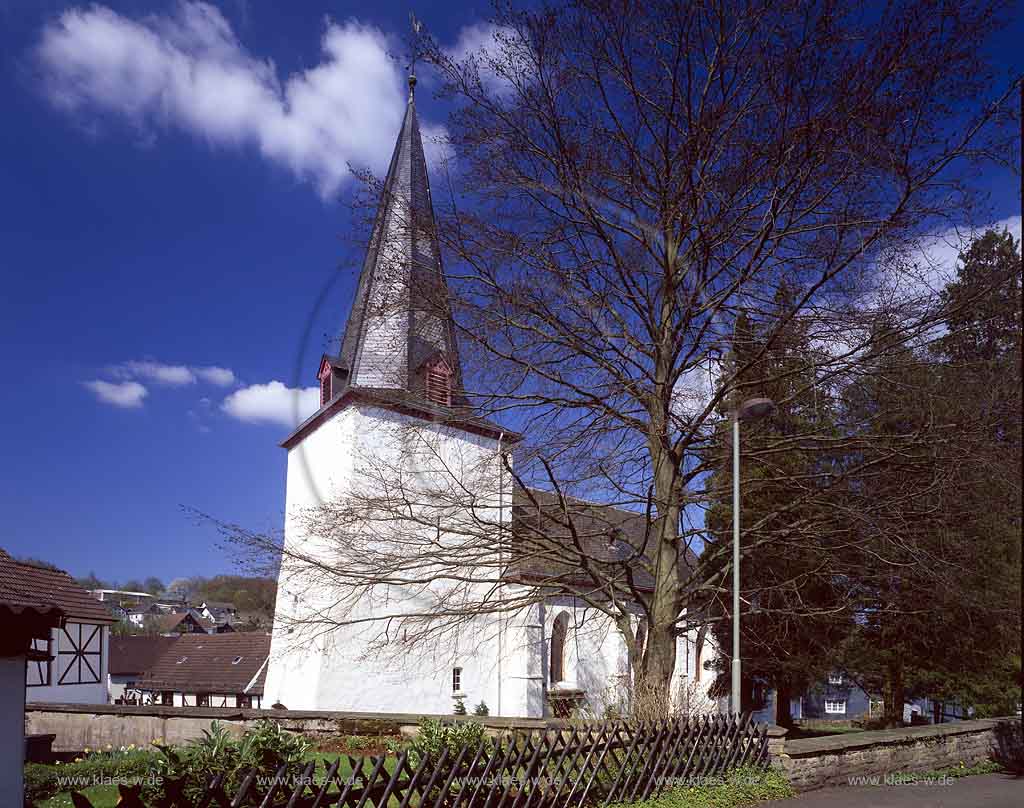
[400, 334]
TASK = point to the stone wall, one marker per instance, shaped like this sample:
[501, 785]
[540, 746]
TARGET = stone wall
[808, 763]
[833, 760]
[93, 726]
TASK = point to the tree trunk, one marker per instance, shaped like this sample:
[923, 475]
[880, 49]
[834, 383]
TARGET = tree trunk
[783, 715]
[660, 655]
[894, 693]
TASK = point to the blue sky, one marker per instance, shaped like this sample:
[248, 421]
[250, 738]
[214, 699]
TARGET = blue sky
[173, 205]
[176, 178]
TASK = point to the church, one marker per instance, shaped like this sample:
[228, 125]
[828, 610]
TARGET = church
[401, 590]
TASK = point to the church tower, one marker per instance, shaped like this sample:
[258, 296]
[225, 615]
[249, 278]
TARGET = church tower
[394, 387]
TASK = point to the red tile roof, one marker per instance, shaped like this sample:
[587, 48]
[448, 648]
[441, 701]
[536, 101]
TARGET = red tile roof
[28, 587]
[136, 655]
[211, 663]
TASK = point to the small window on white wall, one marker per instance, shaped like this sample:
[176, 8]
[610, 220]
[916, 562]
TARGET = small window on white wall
[456, 680]
[556, 663]
[835, 707]
[835, 678]
[38, 672]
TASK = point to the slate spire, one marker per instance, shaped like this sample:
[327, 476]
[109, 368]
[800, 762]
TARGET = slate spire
[400, 329]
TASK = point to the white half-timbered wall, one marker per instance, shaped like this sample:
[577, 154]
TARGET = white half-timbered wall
[77, 672]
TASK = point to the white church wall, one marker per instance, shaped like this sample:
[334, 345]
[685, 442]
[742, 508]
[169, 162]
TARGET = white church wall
[692, 681]
[341, 668]
[318, 467]
[595, 657]
[503, 659]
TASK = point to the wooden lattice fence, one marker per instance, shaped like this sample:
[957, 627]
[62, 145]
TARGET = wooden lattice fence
[586, 765]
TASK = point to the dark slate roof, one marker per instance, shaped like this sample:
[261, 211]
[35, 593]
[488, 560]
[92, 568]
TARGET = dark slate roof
[552, 542]
[135, 655]
[26, 587]
[403, 249]
[205, 663]
[401, 276]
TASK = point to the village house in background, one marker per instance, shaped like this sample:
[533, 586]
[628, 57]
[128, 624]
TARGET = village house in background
[69, 666]
[29, 615]
[142, 612]
[130, 658]
[840, 699]
[187, 622]
[207, 670]
[398, 370]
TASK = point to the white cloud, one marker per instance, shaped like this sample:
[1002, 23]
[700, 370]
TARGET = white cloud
[222, 377]
[488, 45]
[119, 394]
[172, 375]
[188, 70]
[272, 403]
[925, 269]
[695, 389]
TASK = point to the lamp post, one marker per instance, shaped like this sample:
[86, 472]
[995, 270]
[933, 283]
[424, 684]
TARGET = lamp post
[749, 410]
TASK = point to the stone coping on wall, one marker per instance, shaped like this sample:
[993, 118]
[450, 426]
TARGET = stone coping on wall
[380, 721]
[849, 741]
[886, 757]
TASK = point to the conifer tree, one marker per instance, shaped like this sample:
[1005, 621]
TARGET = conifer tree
[792, 609]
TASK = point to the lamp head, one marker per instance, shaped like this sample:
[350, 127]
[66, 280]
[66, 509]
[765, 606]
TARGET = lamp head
[754, 408]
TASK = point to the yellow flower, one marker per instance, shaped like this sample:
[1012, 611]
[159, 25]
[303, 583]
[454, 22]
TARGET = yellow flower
[87, 750]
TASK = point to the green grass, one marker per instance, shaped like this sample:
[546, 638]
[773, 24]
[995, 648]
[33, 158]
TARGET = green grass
[105, 796]
[745, 786]
[99, 796]
[963, 770]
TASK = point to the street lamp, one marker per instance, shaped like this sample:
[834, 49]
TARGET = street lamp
[749, 410]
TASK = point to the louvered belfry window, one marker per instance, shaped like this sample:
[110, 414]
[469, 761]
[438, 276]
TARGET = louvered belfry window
[325, 384]
[439, 383]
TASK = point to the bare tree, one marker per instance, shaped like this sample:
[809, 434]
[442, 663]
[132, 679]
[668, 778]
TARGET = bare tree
[632, 176]
[628, 179]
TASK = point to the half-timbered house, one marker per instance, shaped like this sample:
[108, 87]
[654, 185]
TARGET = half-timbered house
[208, 670]
[70, 665]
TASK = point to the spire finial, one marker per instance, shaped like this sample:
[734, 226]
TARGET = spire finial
[416, 25]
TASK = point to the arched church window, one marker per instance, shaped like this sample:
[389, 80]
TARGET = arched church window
[439, 383]
[641, 638]
[698, 662]
[559, 630]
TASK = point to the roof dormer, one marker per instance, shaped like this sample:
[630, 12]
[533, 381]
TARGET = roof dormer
[438, 377]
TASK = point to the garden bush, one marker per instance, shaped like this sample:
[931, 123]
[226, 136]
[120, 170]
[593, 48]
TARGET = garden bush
[126, 764]
[264, 748]
[40, 782]
[434, 737]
